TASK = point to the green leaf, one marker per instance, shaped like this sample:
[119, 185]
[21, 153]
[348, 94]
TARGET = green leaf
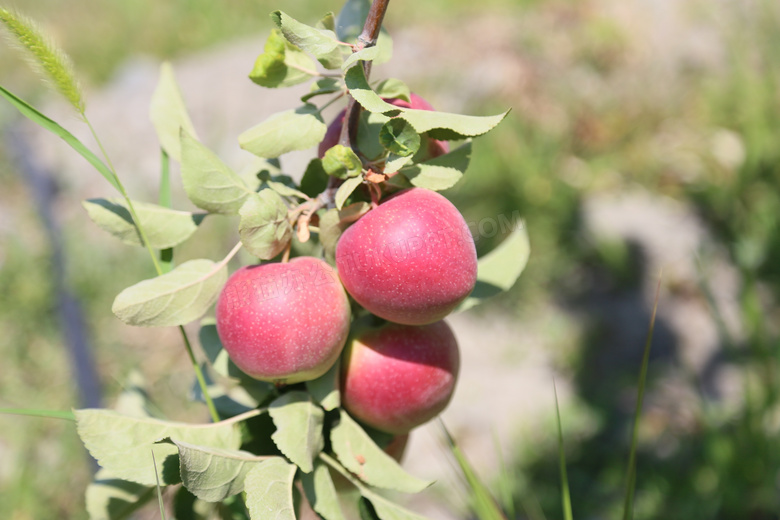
[323, 86]
[169, 114]
[387, 510]
[174, 298]
[358, 86]
[367, 54]
[346, 189]
[44, 122]
[499, 270]
[298, 428]
[333, 223]
[164, 227]
[314, 180]
[284, 132]
[327, 22]
[325, 389]
[441, 125]
[395, 163]
[213, 474]
[123, 445]
[282, 64]
[368, 135]
[321, 492]
[320, 43]
[264, 228]
[209, 183]
[360, 455]
[399, 137]
[392, 88]
[269, 493]
[441, 172]
[110, 498]
[340, 161]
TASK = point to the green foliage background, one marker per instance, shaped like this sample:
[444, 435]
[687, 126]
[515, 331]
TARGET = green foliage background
[725, 467]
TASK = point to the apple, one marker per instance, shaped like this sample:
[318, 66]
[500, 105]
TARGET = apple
[284, 322]
[435, 147]
[410, 260]
[398, 377]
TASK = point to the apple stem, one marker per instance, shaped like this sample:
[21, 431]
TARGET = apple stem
[286, 254]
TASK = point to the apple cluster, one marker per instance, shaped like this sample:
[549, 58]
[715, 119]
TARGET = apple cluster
[409, 262]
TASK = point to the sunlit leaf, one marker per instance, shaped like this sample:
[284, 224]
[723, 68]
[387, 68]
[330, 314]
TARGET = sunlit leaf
[298, 428]
[123, 445]
[360, 455]
[174, 298]
[264, 228]
[213, 474]
[164, 227]
[320, 43]
[499, 270]
[282, 64]
[169, 114]
[441, 172]
[110, 498]
[321, 492]
[284, 132]
[346, 189]
[269, 493]
[209, 183]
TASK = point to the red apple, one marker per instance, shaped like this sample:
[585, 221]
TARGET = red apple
[284, 322]
[411, 260]
[398, 377]
[435, 147]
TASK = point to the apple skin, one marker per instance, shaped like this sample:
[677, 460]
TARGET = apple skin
[410, 260]
[332, 134]
[398, 377]
[284, 322]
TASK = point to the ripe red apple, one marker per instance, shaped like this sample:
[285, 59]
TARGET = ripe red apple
[435, 147]
[284, 322]
[410, 260]
[398, 377]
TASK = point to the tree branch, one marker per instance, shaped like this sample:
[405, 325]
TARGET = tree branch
[366, 39]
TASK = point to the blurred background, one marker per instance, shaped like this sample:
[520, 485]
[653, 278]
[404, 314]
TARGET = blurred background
[644, 138]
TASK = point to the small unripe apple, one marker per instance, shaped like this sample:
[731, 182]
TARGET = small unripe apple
[284, 322]
[398, 377]
[435, 148]
[410, 260]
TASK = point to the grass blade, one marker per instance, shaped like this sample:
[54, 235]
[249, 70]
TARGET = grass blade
[484, 505]
[505, 481]
[45, 56]
[159, 489]
[50, 414]
[166, 255]
[565, 495]
[36, 117]
[628, 507]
